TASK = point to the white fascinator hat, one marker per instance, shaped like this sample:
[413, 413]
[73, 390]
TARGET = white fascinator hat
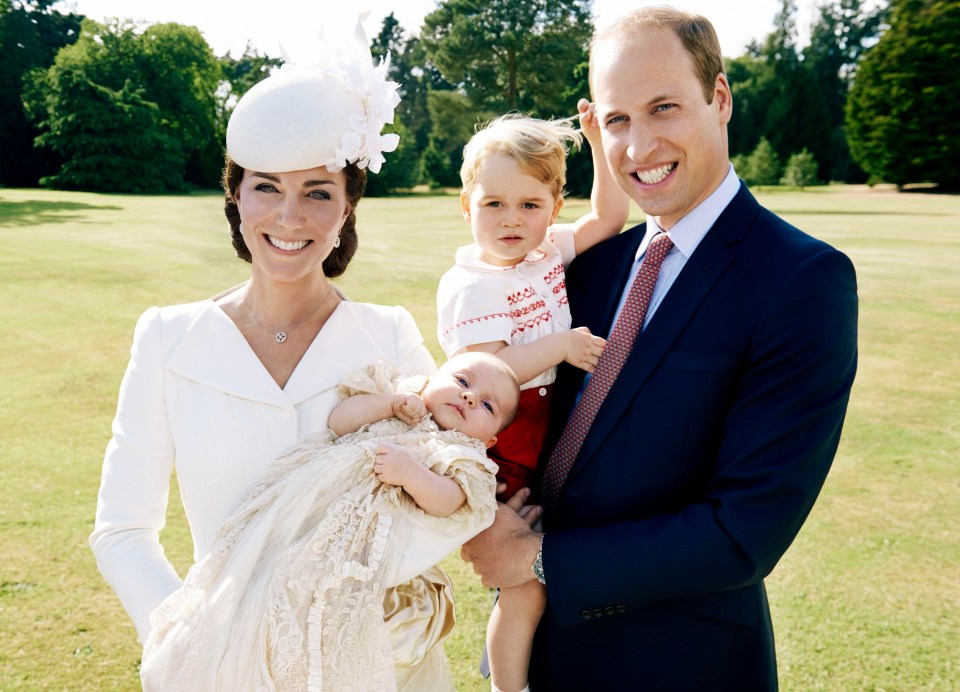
[329, 112]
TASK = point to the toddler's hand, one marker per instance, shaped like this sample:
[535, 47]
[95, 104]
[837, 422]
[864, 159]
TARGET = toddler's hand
[394, 465]
[409, 408]
[584, 349]
[589, 123]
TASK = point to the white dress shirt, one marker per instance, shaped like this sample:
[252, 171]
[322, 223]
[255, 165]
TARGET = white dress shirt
[686, 235]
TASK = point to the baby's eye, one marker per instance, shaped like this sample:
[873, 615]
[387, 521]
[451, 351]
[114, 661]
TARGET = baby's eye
[495, 205]
[462, 381]
[487, 405]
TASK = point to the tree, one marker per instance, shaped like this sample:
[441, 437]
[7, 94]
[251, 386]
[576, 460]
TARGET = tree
[838, 37]
[801, 170]
[31, 33]
[111, 140]
[166, 74]
[796, 115]
[415, 79]
[454, 121]
[510, 54]
[761, 167]
[753, 87]
[902, 114]
[243, 72]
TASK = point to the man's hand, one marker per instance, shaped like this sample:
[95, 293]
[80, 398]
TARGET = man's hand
[583, 348]
[409, 408]
[395, 466]
[503, 555]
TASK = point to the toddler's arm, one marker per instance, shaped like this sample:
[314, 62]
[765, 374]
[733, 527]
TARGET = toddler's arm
[435, 494]
[611, 206]
[577, 346]
[354, 412]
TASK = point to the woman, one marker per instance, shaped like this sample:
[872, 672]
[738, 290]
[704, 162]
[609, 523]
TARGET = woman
[218, 388]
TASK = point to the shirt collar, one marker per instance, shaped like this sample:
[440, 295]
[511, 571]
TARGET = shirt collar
[687, 233]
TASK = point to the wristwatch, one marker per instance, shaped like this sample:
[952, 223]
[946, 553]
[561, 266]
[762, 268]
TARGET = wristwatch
[538, 565]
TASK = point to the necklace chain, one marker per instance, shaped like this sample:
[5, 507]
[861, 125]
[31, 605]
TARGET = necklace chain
[281, 335]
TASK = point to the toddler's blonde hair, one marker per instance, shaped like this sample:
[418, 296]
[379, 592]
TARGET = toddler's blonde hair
[539, 148]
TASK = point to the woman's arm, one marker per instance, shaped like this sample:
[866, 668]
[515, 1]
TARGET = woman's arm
[132, 505]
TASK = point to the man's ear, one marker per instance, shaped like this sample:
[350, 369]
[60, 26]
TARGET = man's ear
[492, 441]
[723, 99]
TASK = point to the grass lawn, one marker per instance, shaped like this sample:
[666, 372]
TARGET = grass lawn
[867, 597]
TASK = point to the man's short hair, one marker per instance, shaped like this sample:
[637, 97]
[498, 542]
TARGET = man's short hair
[695, 32]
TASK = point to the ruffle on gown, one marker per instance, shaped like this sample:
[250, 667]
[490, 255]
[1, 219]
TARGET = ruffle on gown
[313, 583]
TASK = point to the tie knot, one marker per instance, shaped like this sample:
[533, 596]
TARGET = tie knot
[660, 245]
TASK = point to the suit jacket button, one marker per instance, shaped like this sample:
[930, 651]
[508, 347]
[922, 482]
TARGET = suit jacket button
[608, 610]
[585, 614]
[597, 613]
[621, 608]
[543, 391]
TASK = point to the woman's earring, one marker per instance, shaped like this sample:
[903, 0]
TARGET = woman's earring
[336, 243]
[240, 227]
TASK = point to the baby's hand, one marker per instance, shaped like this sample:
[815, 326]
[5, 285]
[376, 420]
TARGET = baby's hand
[394, 465]
[589, 123]
[409, 408]
[584, 349]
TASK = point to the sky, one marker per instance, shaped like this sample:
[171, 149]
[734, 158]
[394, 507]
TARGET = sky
[229, 25]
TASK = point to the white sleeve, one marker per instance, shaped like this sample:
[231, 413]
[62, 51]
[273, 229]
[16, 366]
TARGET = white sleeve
[471, 311]
[563, 239]
[413, 358]
[132, 506]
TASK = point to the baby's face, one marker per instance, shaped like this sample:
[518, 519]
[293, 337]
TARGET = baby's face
[471, 395]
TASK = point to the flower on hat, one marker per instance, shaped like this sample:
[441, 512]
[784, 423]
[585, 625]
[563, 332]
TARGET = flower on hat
[327, 111]
[364, 144]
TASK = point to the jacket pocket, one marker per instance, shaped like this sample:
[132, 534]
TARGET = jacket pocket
[737, 605]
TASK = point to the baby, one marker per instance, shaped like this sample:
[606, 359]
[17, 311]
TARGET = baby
[293, 593]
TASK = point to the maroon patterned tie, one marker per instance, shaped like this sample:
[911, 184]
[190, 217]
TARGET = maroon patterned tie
[619, 344]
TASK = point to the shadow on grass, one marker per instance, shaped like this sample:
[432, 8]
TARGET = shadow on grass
[33, 212]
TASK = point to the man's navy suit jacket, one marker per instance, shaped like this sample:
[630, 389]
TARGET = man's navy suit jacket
[703, 461]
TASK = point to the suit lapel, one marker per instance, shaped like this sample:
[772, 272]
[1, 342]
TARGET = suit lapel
[693, 284]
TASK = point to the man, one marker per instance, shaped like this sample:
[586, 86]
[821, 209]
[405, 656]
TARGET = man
[704, 456]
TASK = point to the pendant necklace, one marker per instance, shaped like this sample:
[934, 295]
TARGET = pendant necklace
[281, 335]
